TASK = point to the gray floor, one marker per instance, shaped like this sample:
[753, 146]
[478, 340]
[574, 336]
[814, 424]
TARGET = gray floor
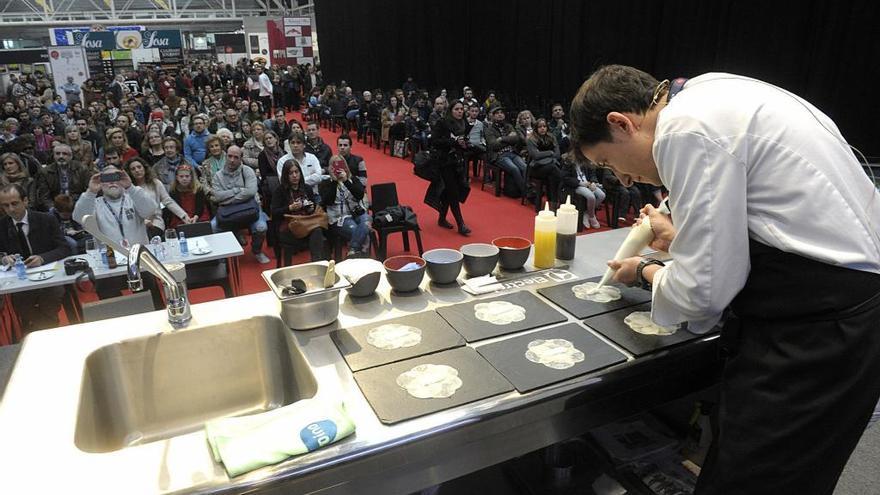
[862, 474]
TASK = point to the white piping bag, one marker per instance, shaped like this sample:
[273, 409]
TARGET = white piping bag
[638, 238]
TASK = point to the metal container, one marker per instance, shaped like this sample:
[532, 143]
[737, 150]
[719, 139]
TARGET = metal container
[316, 307]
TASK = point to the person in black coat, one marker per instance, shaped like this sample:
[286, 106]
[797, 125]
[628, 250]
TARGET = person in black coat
[450, 187]
[36, 236]
[293, 197]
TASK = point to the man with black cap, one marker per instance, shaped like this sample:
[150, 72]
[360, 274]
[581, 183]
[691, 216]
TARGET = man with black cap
[502, 141]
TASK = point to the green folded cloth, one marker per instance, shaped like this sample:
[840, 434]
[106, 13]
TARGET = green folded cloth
[246, 443]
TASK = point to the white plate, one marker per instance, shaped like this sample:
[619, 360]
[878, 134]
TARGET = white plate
[40, 276]
[200, 251]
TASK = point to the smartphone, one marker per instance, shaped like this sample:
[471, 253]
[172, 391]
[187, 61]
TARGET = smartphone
[111, 177]
[339, 168]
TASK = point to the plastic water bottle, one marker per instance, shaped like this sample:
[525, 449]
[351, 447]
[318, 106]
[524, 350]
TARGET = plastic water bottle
[20, 269]
[157, 248]
[181, 241]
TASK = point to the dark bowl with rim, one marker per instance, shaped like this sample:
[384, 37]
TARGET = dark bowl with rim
[479, 258]
[513, 251]
[404, 280]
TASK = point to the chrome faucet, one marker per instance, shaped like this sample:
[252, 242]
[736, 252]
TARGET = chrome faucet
[177, 302]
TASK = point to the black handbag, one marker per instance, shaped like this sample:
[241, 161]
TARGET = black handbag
[238, 215]
[424, 166]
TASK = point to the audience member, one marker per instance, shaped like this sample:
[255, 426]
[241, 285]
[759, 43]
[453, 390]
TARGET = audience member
[65, 176]
[142, 175]
[36, 237]
[580, 178]
[36, 190]
[450, 188]
[73, 232]
[308, 163]
[503, 142]
[254, 146]
[544, 159]
[189, 194]
[316, 146]
[235, 185]
[294, 197]
[116, 137]
[356, 165]
[343, 200]
[194, 146]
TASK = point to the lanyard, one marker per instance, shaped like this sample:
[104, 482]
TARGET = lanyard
[117, 216]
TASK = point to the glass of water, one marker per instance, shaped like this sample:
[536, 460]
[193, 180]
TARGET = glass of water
[92, 251]
[173, 251]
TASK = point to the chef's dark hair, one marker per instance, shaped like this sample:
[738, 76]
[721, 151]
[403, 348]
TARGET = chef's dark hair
[612, 88]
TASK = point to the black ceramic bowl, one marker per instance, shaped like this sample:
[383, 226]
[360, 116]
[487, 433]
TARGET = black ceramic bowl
[479, 258]
[444, 265]
[514, 251]
[404, 280]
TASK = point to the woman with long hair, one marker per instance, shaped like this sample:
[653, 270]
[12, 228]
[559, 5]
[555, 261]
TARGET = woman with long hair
[267, 160]
[82, 149]
[116, 138]
[255, 112]
[544, 159]
[392, 115]
[151, 149]
[213, 163]
[188, 193]
[450, 187]
[15, 172]
[293, 197]
[142, 175]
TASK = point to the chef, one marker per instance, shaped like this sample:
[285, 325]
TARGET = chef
[773, 217]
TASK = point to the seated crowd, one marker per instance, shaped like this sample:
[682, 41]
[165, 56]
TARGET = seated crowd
[523, 150]
[149, 151]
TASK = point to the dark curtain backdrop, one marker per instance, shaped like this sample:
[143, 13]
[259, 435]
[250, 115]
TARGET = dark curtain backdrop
[536, 52]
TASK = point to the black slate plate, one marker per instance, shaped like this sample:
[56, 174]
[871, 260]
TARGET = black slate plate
[611, 325]
[437, 335]
[393, 404]
[509, 356]
[538, 313]
[565, 299]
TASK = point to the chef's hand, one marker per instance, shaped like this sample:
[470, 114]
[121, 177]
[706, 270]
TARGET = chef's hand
[626, 270]
[661, 225]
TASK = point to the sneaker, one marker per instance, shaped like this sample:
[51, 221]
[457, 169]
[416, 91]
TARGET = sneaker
[262, 258]
[594, 222]
[586, 222]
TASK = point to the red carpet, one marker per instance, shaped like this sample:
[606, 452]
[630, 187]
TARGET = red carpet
[487, 216]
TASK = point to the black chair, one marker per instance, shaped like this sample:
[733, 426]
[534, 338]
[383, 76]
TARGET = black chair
[492, 167]
[540, 187]
[207, 273]
[383, 196]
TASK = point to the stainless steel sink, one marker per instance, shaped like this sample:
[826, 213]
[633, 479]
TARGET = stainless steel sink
[157, 387]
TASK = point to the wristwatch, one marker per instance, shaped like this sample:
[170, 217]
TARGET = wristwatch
[640, 279]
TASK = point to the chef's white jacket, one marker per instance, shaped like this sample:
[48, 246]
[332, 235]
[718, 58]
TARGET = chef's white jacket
[744, 159]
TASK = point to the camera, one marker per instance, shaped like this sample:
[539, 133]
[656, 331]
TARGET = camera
[111, 177]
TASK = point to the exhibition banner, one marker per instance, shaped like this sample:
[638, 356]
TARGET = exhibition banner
[67, 61]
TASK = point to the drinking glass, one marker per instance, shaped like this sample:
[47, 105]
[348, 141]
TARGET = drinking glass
[173, 248]
[92, 251]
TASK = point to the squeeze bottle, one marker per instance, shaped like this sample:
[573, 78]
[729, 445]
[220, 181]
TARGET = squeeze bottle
[545, 238]
[566, 230]
[638, 238]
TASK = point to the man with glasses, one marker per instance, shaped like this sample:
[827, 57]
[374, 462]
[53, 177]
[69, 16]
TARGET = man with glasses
[194, 146]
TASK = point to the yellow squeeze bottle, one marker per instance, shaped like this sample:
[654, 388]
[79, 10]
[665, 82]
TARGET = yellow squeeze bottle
[545, 238]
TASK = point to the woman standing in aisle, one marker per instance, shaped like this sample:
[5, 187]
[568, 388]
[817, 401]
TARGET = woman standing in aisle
[450, 187]
[744, 161]
[544, 159]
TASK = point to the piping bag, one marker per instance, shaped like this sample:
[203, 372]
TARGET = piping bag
[638, 238]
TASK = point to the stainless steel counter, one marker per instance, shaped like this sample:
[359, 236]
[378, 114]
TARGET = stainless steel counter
[38, 410]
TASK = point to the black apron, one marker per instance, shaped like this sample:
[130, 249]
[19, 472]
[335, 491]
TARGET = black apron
[801, 378]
